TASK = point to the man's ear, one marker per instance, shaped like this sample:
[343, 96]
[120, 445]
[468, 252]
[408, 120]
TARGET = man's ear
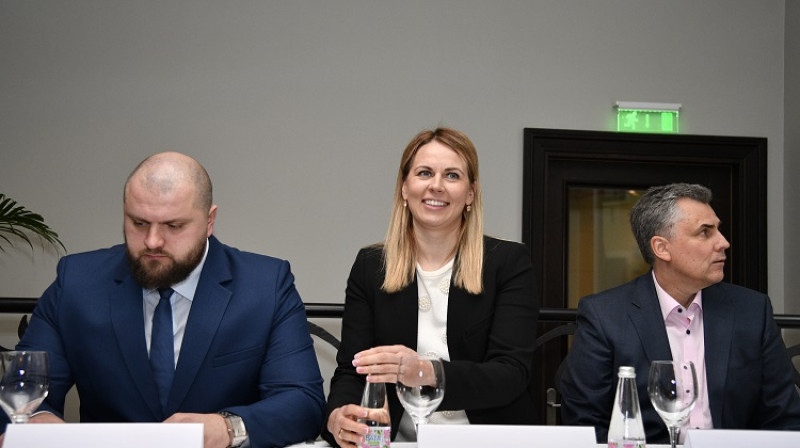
[660, 247]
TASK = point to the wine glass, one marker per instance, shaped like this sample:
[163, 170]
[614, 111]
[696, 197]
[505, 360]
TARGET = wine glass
[420, 386]
[23, 383]
[672, 387]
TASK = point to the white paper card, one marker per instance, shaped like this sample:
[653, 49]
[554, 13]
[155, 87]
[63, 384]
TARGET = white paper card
[734, 438]
[481, 436]
[104, 435]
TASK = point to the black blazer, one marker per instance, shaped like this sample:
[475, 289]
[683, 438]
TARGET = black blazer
[491, 337]
[749, 376]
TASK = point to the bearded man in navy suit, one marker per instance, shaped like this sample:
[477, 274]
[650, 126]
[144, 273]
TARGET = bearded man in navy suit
[244, 363]
[682, 311]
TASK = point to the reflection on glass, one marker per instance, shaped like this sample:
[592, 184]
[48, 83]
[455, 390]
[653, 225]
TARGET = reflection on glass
[601, 250]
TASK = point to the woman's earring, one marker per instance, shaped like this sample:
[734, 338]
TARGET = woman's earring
[469, 208]
[405, 204]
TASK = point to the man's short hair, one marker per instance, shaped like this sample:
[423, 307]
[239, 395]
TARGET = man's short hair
[657, 211]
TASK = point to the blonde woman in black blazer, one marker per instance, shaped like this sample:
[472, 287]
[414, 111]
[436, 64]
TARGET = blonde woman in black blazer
[491, 302]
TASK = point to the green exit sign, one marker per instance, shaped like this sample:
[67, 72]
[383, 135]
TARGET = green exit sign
[647, 117]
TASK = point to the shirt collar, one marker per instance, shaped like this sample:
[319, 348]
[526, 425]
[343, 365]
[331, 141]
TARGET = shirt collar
[668, 303]
[187, 287]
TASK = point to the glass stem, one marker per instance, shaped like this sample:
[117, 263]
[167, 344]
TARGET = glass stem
[417, 422]
[20, 418]
[674, 432]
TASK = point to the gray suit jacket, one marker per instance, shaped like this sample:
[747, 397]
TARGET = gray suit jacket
[749, 375]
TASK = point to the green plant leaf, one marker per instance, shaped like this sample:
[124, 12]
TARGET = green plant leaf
[18, 221]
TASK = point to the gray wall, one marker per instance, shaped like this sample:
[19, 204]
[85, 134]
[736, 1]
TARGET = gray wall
[300, 109]
[791, 191]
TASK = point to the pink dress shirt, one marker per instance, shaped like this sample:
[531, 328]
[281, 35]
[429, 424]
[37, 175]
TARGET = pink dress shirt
[687, 343]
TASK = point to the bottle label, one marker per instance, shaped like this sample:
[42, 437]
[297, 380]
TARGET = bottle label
[378, 437]
[626, 444]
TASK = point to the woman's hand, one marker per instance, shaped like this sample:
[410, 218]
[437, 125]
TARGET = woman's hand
[380, 363]
[343, 424]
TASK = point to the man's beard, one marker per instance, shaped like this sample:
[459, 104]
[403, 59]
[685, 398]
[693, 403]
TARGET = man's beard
[152, 274]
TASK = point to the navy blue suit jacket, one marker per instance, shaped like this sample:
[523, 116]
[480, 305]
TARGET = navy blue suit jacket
[750, 384]
[246, 348]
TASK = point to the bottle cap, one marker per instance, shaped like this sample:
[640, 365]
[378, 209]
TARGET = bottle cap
[626, 372]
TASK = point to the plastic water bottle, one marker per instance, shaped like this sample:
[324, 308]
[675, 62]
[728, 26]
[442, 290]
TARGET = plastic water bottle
[380, 431]
[626, 429]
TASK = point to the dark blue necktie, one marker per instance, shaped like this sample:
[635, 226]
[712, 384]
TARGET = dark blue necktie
[162, 349]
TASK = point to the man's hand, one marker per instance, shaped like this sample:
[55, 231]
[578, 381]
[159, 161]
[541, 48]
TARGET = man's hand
[42, 417]
[45, 417]
[215, 430]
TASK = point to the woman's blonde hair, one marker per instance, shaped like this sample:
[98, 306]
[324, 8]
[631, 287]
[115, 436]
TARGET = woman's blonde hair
[400, 247]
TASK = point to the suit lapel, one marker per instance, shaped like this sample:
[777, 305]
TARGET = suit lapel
[405, 311]
[209, 304]
[460, 304]
[127, 318]
[717, 331]
[645, 313]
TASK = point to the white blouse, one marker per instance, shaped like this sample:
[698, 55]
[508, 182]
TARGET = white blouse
[433, 289]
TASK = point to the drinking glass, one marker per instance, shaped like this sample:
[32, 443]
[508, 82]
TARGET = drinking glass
[420, 386]
[23, 383]
[672, 387]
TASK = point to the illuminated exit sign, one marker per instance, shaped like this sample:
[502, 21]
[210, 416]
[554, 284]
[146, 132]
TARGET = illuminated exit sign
[661, 118]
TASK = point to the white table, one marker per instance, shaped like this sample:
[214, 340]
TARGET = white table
[414, 445]
[325, 444]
